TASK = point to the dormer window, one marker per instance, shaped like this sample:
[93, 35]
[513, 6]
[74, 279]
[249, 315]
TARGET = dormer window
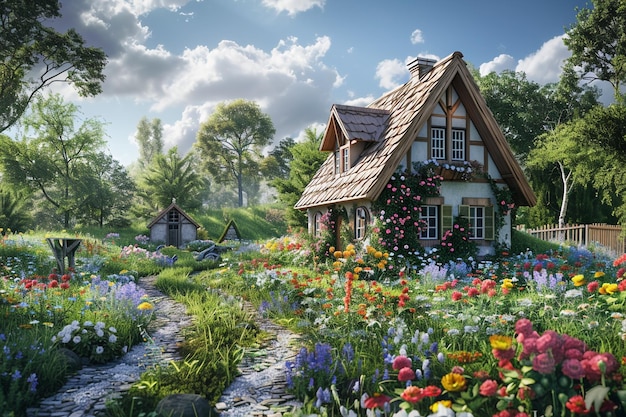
[346, 158]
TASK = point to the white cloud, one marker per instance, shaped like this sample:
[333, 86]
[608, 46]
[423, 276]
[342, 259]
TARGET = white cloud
[360, 101]
[293, 7]
[389, 72]
[416, 37]
[498, 64]
[545, 65]
[290, 82]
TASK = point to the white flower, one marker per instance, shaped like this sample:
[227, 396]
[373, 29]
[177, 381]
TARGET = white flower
[76, 339]
[573, 293]
[88, 323]
[99, 333]
[112, 338]
[112, 329]
[99, 350]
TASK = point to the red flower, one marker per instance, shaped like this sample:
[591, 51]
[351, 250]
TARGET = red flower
[413, 394]
[377, 400]
[66, 277]
[488, 388]
[401, 362]
[406, 374]
[576, 405]
[457, 295]
[593, 286]
[432, 391]
[53, 284]
[64, 285]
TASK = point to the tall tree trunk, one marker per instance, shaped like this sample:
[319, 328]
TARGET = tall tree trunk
[565, 177]
[240, 180]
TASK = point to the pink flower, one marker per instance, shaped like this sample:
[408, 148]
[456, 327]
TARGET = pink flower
[406, 374]
[488, 388]
[544, 363]
[524, 326]
[457, 295]
[506, 355]
[573, 368]
[596, 364]
[401, 362]
[549, 340]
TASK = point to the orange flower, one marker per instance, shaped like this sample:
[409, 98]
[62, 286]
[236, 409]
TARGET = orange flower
[412, 394]
[454, 382]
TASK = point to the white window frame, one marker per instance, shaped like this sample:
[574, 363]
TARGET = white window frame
[438, 142]
[346, 158]
[317, 224]
[429, 215]
[337, 162]
[458, 145]
[360, 223]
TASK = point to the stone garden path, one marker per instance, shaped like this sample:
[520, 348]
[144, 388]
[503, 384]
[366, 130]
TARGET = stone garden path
[258, 391]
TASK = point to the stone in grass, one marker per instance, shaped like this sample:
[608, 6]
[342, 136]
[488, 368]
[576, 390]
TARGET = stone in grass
[73, 362]
[185, 405]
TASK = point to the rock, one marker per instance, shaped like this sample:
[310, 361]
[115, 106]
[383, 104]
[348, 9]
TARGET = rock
[185, 405]
[72, 360]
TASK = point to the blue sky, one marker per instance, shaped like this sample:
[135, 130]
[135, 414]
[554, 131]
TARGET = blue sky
[177, 59]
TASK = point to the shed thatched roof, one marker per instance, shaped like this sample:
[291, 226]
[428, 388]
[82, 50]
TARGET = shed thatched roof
[389, 126]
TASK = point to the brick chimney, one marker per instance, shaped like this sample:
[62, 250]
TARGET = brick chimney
[420, 67]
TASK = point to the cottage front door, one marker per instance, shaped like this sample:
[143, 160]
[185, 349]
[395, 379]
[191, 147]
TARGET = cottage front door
[173, 228]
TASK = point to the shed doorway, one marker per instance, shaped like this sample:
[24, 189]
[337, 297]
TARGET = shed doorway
[173, 228]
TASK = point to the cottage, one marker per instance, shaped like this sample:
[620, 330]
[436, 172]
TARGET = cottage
[173, 227]
[437, 118]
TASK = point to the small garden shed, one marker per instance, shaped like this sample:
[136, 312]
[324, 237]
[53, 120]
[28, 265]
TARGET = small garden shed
[173, 227]
[436, 128]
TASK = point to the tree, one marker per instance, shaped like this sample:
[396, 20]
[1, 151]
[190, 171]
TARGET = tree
[49, 162]
[150, 140]
[30, 49]
[108, 191]
[604, 129]
[518, 105]
[169, 178]
[561, 148]
[231, 141]
[276, 164]
[525, 111]
[306, 160]
[598, 43]
[14, 214]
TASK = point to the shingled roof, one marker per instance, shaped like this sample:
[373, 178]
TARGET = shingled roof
[391, 123]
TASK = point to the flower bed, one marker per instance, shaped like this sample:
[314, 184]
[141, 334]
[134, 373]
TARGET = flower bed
[531, 335]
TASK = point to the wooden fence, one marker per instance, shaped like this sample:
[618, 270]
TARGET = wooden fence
[607, 235]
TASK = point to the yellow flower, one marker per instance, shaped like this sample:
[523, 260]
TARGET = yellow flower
[500, 342]
[453, 382]
[507, 283]
[578, 280]
[145, 306]
[338, 254]
[331, 249]
[608, 288]
[444, 403]
[357, 269]
[598, 274]
[378, 254]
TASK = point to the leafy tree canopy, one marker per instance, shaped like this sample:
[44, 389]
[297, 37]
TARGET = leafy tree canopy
[598, 43]
[50, 157]
[306, 160]
[29, 48]
[231, 141]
